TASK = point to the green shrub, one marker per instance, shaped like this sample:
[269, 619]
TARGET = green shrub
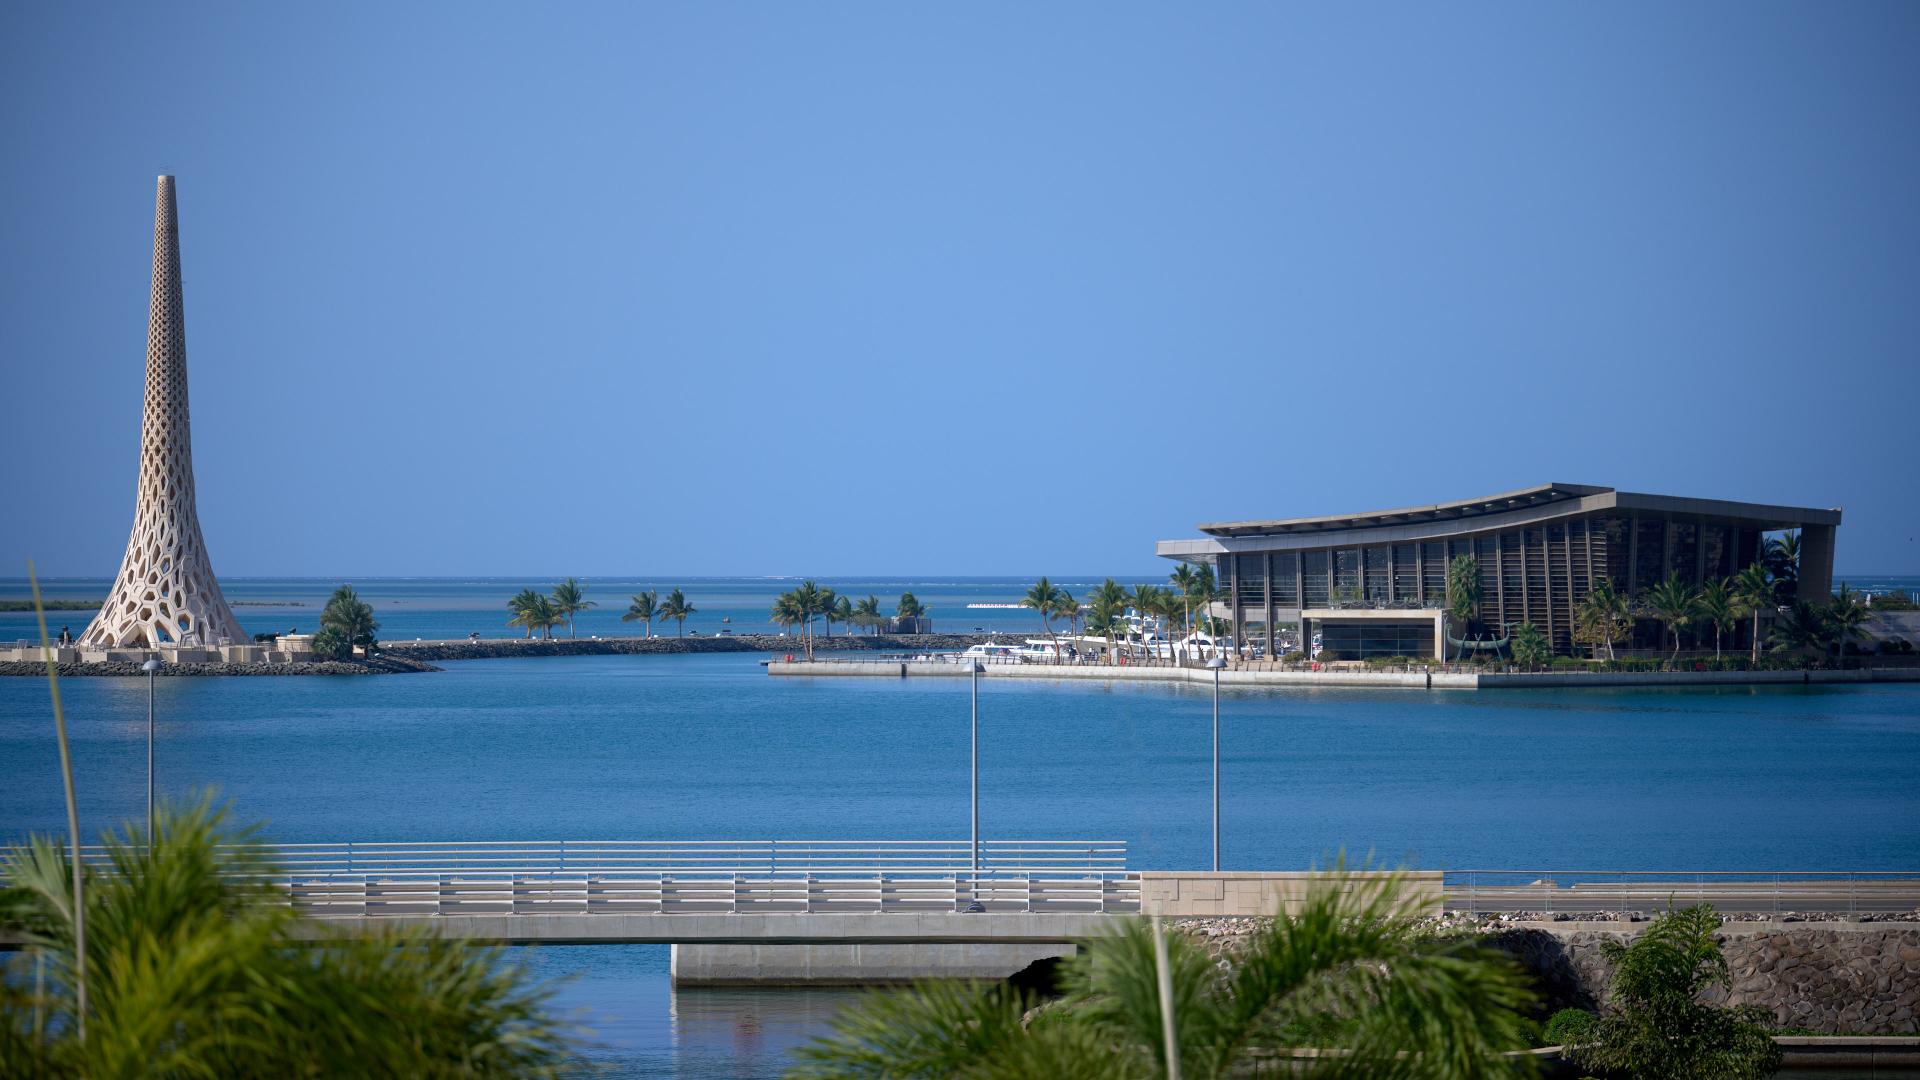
[1294, 657]
[1328, 656]
[1569, 1027]
[1656, 1024]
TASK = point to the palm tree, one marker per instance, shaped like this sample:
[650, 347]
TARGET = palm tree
[909, 607]
[1845, 613]
[1042, 597]
[1530, 646]
[528, 608]
[786, 613]
[1605, 615]
[570, 597]
[1107, 609]
[1754, 593]
[675, 607]
[1205, 593]
[1463, 594]
[812, 600]
[1675, 604]
[1066, 607]
[1800, 626]
[197, 967]
[1717, 606]
[1146, 601]
[842, 610]
[349, 619]
[1782, 559]
[1185, 580]
[1353, 975]
[645, 608]
[867, 612]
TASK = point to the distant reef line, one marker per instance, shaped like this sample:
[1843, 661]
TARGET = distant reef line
[377, 665]
[13, 604]
[736, 643]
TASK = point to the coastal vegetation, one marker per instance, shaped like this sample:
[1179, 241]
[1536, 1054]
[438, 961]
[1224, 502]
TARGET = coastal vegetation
[1352, 973]
[346, 623]
[569, 599]
[194, 968]
[676, 607]
[644, 609]
[1463, 592]
[1655, 1023]
[534, 612]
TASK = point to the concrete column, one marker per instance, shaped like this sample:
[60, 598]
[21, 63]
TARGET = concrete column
[1816, 562]
[1267, 559]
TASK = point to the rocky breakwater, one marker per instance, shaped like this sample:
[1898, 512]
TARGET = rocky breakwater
[733, 643]
[376, 665]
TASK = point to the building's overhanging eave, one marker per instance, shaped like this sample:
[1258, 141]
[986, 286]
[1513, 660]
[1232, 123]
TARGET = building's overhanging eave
[1539, 494]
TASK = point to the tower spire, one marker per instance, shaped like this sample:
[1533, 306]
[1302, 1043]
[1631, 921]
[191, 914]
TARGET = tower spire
[165, 592]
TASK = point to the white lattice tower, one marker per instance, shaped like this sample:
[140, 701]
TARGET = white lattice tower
[166, 592]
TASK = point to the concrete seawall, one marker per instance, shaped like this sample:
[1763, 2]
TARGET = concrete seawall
[1438, 680]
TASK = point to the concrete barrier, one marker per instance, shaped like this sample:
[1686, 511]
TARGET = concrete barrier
[1179, 894]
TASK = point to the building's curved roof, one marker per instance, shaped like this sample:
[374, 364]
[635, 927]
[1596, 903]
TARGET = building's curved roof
[1448, 511]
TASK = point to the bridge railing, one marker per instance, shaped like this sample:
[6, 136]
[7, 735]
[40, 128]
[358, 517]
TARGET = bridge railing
[1775, 892]
[694, 876]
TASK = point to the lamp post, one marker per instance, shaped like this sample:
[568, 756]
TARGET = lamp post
[150, 667]
[1214, 664]
[973, 881]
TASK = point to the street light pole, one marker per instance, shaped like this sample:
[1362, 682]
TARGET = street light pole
[973, 880]
[1216, 663]
[975, 784]
[150, 667]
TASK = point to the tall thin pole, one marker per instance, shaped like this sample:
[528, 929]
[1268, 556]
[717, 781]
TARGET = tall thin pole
[149, 761]
[73, 817]
[975, 784]
[1163, 975]
[1216, 770]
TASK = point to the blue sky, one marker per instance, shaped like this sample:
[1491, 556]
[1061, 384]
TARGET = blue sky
[851, 289]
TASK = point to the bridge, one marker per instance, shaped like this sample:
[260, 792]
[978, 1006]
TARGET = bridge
[789, 910]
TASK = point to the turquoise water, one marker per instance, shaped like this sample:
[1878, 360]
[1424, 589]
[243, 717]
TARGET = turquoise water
[705, 746]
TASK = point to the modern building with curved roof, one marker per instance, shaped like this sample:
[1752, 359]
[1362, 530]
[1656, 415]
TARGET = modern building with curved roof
[1374, 584]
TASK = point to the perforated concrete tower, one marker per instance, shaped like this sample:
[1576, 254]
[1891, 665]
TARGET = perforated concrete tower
[166, 592]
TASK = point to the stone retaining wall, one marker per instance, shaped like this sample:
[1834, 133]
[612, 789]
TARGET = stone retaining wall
[1841, 978]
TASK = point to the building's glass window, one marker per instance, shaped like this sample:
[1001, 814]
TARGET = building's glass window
[1314, 588]
[1406, 574]
[1713, 539]
[1748, 549]
[1253, 579]
[1346, 575]
[1610, 550]
[1379, 587]
[1513, 579]
[1488, 555]
[1433, 570]
[1686, 551]
[1286, 579]
[1650, 539]
[1358, 640]
[1535, 562]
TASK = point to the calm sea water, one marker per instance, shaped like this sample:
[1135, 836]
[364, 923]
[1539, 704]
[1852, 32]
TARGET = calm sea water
[433, 608]
[704, 746]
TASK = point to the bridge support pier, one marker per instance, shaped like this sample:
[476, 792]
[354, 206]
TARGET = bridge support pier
[851, 965]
